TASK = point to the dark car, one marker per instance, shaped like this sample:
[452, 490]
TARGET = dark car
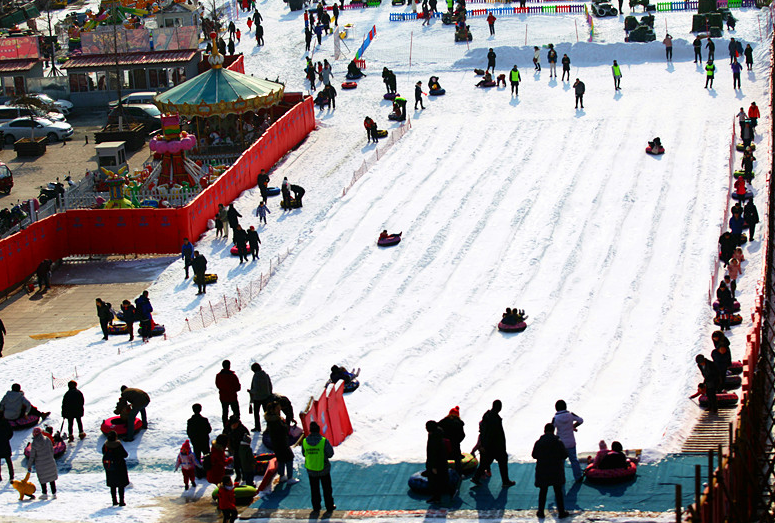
[146, 114]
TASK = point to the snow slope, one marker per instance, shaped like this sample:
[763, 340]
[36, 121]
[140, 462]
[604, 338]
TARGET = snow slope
[503, 201]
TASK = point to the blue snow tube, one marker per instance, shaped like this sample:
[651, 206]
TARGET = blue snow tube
[419, 483]
[390, 96]
[273, 191]
[437, 92]
[747, 196]
[352, 386]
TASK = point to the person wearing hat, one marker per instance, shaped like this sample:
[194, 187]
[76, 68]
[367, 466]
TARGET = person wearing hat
[187, 462]
[42, 457]
[418, 95]
[72, 409]
[712, 379]
[454, 431]
[253, 241]
[317, 451]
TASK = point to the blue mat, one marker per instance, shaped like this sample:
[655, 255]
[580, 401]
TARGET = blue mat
[384, 487]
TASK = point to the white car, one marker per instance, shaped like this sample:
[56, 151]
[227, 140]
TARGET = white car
[64, 106]
[24, 127]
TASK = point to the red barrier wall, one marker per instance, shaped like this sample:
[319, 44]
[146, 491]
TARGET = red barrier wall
[238, 65]
[150, 231]
[330, 412]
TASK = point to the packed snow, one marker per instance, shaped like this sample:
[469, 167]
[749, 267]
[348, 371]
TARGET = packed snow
[503, 201]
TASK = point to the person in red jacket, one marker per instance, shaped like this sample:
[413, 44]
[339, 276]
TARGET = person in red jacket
[753, 114]
[491, 20]
[218, 459]
[227, 501]
[228, 386]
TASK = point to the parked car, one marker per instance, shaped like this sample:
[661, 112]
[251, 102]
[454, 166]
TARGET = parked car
[146, 114]
[24, 127]
[12, 112]
[143, 97]
[64, 106]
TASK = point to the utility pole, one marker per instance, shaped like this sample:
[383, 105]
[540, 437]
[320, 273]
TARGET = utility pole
[54, 71]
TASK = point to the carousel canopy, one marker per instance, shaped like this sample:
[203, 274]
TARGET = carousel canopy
[220, 92]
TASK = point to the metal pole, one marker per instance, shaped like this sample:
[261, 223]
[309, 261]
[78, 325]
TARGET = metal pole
[710, 486]
[697, 485]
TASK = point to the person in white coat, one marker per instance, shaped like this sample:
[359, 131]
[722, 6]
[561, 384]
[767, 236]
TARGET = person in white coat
[566, 424]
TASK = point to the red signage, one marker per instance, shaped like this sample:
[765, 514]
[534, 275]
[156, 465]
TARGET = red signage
[19, 48]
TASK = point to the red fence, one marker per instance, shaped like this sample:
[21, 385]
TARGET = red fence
[151, 231]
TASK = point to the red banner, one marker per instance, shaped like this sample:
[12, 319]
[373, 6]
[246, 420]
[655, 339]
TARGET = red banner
[19, 47]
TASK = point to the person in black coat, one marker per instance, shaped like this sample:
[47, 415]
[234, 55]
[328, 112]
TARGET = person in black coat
[237, 431]
[724, 296]
[260, 35]
[751, 216]
[722, 359]
[199, 264]
[72, 409]
[549, 453]
[129, 313]
[6, 433]
[105, 315]
[454, 431]
[240, 240]
[726, 247]
[436, 467]
[298, 193]
[330, 93]
[491, 60]
[712, 379]
[2, 337]
[253, 241]
[198, 430]
[233, 216]
[262, 180]
[277, 429]
[43, 272]
[492, 446]
[418, 95]
[307, 37]
[114, 461]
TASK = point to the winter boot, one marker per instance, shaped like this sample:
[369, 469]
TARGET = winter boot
[71, 438]
[82, 435]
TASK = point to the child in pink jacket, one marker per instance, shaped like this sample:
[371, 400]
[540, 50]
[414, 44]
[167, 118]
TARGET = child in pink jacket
[188, 463]
[734, 268]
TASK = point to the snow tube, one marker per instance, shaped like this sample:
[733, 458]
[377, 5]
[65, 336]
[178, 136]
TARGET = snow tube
[468, 463]
[747, 196]
[660, 150]
[724, 400]
[735, 320]
[349, 85]
[419, 483]
[273, 191]
[398, 2]
[235, 252]
[390, 96]
[393, 239]
[735, 306]
[505, 327]
[295, 433]
[396, 117]
[118, 328]
[381, 133]
[735, 368]
[294, 204]
[352, 386]
[487, 84]
[741, 147]
[157, 330]
[59, 449]
[24, 422]
[262, 462]
[746, 177]
[351, 76]
[437, 92]
[117, 424]
[243, 494]
[209, 278]
[732, 382]
[595, 474]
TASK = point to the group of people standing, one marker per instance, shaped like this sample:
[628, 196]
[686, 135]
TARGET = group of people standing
[140, 312]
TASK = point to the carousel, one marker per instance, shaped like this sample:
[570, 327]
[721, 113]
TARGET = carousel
[225, 109]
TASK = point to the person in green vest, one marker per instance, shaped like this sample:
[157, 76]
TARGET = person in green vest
[617, 71]
[514, 76]
[710, 71]
[317, 451]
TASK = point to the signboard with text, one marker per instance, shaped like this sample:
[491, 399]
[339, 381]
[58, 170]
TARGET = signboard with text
[19, 48]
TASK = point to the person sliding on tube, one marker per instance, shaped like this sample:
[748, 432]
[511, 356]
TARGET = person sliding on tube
[384, 234]
[655, 145]
[340, 373]
[486, 80]
[353, 72]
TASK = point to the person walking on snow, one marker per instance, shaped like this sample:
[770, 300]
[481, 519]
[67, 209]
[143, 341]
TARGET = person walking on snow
[617, 72]
[426, 14]
[551, 57]
[116, 475]
[199, 264]
[241, 242]
[565, 67]
[418, 95]
[578, 88]
[186, 252]
[72, 409]
[751, 216]
[260, 391]
[491, 22]
[144, 309]
[748, 57]
[668, 41]
[736, 70]
[492, 446]
[261, 212]
[253, 241]
[536, 58]
[491, 60]
[233, 216]
[697, 44]
[198, 431]
[42, 458]
[711, 47]
[187, 462]
[710, 71]
[228, 385]
[514, 77]
[105, 315]
[549, 453]
[566, 424]
[732, 48]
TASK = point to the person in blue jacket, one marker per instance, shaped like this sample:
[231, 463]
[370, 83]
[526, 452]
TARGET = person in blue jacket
[186, 252]
[736, 225]
[144, 310]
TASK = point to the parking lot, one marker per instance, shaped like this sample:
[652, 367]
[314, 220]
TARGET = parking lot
[73, 158]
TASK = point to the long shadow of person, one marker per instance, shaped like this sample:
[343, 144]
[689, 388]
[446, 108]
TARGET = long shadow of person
[487, 506]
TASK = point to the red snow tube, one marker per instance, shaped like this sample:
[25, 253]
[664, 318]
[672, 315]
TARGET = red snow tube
[117, 424]
[735, 368]
[518, 327]
[349, 85]
[235, 252]
[724, 400]
[393, 239]
[24, 423]
[736, 319]
[59, 449]
[732, 381]
[735, 306]
[612, 475]
[659, 150]
[488, 84]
